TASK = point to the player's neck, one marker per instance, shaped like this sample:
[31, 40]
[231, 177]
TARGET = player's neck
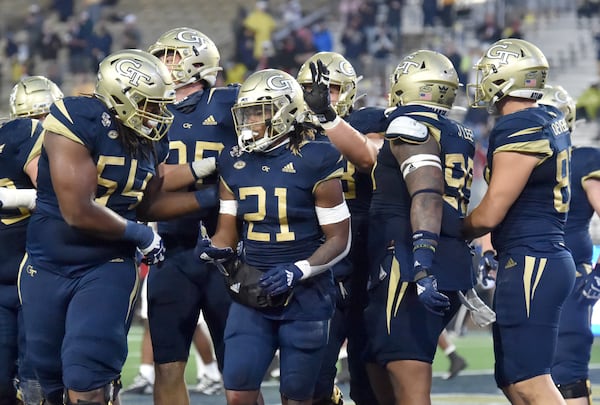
[513, 104]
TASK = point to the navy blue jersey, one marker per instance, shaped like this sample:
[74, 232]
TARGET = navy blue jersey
[585, 164]
[196, 133]
[274, 192]
[20, 142]
[53, 244]
[391, 200]
[539, 214]
[357, 185]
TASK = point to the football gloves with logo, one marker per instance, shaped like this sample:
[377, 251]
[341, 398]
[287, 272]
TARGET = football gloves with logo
[280, 279]
[488, 266]
[317, 98]
[591, 285]
[428, 293]
[148, 242]
[204, 249]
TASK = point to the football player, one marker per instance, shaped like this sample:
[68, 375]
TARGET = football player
[296, 226]
[570, 369]
[21, 139]
[180, 287]
[418, 259]
[330, 85]
[97, 175]
[525, 209]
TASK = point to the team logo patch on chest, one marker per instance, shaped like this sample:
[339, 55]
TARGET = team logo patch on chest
[240, 164]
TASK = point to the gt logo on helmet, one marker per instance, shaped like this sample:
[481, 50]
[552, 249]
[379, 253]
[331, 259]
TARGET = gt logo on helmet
[406, 65]
[190, 37]
[279, 82]
[495, 53]
[346, 68]
[130, 68]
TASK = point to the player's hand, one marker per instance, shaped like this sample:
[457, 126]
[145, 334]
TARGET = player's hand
[280, 279]
[148, 242]
[154, 253]
[430, 297]
[205, 250]
[317, 98]
[488, 266]
[591, 285]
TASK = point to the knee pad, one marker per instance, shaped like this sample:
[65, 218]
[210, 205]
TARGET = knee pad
[111, 393]
[578, 389]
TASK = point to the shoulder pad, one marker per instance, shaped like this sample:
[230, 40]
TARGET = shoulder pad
[407, 129]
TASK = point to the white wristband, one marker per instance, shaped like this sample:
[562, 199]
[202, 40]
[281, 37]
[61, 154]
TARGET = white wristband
[17, 197]
[204, 167]
[332, 124]
[305, 268]
[228, 207]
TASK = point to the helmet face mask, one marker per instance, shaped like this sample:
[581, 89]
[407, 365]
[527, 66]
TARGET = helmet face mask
[189, 55]
[558, 97]
[341, 74]
[137, 86]
[32, 97]
[510, 67]
[269, 101]
[424, 77]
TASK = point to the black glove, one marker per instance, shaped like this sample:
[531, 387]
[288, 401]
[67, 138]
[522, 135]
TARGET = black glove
[317, 98]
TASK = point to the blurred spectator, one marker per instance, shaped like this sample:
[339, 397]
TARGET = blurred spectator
[51, 45]
[291, 13]
[100, 44]
[447, 13]
[354, 41]
[94, 9]
[322, 37]
[78, 41]
[381, 49]
[347, 9]
[131, 36]
[64, 9]
[394, 20]
[262, 24]
[238, 29]
[513, 30]
[245, 49]
[588, 103]
[489, 32]
[430, 11]
[33, 25]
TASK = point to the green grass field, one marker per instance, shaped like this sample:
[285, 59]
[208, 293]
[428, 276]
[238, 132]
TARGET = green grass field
[475, 347]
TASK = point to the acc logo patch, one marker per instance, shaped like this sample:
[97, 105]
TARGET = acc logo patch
[240, 164]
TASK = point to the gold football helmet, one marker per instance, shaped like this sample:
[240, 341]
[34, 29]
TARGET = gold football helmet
[137, 86]
[558, 97]
[273, 95]
[424, 77]
[32, 97]
[341, 73]
[195, 56]
[510, 67]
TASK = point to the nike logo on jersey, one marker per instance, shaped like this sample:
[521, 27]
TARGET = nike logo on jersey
[289, 168]
[510, 263]
[210, 121]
